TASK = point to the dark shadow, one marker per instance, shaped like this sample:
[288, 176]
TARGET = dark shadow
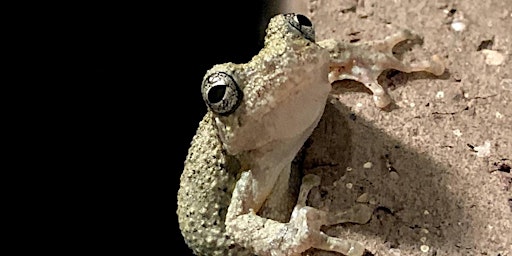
[406, 204]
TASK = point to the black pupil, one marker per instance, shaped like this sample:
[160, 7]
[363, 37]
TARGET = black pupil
[303, 20]
[216, 93]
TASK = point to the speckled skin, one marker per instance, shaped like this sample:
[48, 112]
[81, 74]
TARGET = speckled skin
[261, 137]
[235, 187]
[205, 193]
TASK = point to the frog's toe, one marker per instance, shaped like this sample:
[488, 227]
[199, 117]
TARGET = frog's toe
[308, 182]
[387, 44]
[345, 246]
[382, 101]
[380, 96]
[359, 214]
[436, 66]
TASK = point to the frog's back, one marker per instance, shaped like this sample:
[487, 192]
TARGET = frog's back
[205, 191]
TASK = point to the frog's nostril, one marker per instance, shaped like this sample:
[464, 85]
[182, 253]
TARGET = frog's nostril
[303, 20]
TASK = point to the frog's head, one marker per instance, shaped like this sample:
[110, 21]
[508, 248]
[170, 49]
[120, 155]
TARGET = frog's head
[278, 95]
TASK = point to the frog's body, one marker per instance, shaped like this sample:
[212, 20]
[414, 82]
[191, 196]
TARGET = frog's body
[264, 133]
[234, 197]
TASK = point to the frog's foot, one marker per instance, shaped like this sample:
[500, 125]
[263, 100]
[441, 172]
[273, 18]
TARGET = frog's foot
[387, 60]
[385, 46]
[364, 62]
[303, 232]
[311, 219]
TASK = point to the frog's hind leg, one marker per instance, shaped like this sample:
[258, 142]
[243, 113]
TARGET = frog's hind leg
[358, 214]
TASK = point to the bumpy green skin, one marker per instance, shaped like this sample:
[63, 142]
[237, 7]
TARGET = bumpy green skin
[206, 186]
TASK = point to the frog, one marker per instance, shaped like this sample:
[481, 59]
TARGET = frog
[239, 194]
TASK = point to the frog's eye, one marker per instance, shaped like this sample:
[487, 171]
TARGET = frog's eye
[221, 93]
[302, 24]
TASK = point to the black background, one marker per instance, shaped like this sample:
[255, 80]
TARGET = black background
[136, 74]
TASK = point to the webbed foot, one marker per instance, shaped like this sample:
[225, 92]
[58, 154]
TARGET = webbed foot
[364, 62]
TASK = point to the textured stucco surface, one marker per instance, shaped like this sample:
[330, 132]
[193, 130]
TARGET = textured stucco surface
[441, 193]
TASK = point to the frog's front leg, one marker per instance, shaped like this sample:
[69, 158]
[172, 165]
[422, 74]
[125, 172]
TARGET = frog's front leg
[269, 237]
[364, 62]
